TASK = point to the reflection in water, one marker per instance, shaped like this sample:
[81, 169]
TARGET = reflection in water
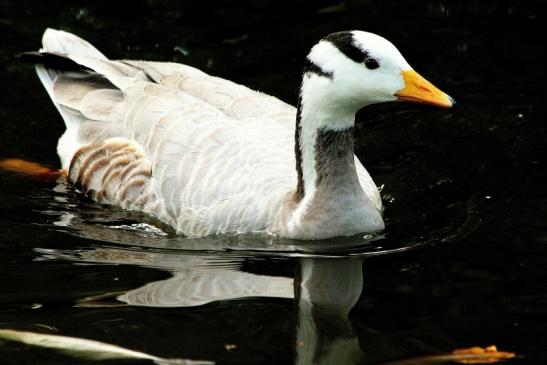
[192, 288]
[324, 290]
[196, 279]
[327, 283]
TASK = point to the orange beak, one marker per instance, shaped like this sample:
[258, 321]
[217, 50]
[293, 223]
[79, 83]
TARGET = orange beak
[419, 90]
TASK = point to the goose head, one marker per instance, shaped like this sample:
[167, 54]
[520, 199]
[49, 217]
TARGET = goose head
[348, 70]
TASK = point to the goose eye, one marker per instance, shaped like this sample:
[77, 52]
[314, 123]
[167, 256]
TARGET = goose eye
[371, 63]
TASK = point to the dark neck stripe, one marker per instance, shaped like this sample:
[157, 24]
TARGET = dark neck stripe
[315, 69]
[299, 195]
[345, 43]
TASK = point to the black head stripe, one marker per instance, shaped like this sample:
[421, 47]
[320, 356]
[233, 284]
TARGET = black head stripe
[315, 69]
[345, 43]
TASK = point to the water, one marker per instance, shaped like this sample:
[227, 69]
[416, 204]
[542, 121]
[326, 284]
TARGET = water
[462, 261]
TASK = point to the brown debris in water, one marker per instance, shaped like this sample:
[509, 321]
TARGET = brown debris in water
[472, 355]
[30, 168]
[479, 355]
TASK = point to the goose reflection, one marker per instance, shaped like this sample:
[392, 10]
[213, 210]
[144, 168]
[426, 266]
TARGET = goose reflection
[324, 291]
[198, 287]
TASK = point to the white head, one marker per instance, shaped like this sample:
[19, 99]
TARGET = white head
[348, 70]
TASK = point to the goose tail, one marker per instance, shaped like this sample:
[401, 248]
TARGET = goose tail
[61, 44]
[67, 81]
[64, 43]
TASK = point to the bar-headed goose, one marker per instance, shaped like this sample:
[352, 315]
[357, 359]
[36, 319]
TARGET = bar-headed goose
[209, 156]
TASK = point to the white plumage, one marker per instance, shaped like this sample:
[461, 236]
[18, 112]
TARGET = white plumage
[202, 153]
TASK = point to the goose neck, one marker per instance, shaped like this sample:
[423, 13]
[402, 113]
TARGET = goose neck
[329, 199]
[324, 148]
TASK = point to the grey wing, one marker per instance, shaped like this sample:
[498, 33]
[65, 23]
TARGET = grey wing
[205, 152]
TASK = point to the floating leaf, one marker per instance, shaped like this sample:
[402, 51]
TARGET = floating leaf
[473, 355]
[30, 168]
[479, 355]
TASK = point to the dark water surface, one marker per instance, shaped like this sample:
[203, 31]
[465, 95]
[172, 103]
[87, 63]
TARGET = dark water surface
[463, 260]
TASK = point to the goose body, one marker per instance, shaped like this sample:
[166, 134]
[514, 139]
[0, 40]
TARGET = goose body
[208, 156]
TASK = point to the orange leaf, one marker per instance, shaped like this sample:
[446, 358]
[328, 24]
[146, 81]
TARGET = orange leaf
[479, 355]
[473, 355]
[30, 168]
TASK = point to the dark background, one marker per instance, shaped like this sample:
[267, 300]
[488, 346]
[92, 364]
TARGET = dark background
[482, 163]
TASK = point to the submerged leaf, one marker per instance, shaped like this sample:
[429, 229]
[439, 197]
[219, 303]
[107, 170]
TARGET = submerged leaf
[88, 349]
